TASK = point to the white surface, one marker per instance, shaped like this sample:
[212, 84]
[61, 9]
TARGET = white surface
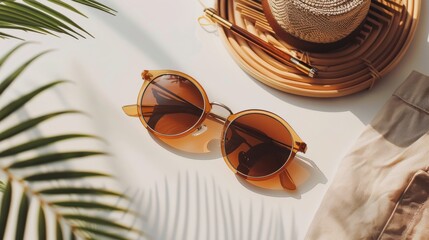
[195, 197]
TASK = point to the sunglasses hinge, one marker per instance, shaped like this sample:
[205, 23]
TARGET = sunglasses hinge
[146, 75]
[302, 147]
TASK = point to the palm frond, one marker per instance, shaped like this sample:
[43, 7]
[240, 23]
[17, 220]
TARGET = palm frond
[97, 5]
[62, 175]
[30, 123]
[34, 16]
[41, 142]
[41, 227]
[51, 158]
[2, 187]
[96, 220]
[22, 217]
[6, 36]
[21, 101]
[88, 205]
[66, 6]
[59, 231]
[69, 203]
[10, 53]
[96, 232]
[11, 78]
[80, 191]
[5, 206]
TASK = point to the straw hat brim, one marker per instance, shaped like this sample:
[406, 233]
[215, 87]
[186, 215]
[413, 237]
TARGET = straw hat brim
[381, 42]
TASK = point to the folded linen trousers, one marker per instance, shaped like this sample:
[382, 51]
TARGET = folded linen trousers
[381, 188]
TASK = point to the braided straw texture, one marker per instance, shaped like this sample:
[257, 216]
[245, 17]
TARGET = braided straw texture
[319, 21]
[383, 39]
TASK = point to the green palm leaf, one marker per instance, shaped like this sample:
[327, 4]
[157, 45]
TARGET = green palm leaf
[2, 186]
[9, 80]
[31, 123]
[42, 224]
[90, 226]
[88, 205]
[56, 14]
[10, 53]
[22, 217]
[41, 142]
[21, 101]
[67, 6]
[96, 5]
[31, 15]
[58, 231]
[94, 232]
[51, 158]
[22, 14]
[6, 25]
[79, 191]
[5, 35]
[62, 175]
[5, 206]
[72, 235]
[96, 220]
[18, 21]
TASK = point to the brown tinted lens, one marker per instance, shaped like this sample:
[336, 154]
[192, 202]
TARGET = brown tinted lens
[172, 104]
[257, 145]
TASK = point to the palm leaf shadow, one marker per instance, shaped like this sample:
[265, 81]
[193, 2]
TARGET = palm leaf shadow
[200, 209]
[141, 39]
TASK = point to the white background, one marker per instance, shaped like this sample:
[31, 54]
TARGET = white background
[183, 196]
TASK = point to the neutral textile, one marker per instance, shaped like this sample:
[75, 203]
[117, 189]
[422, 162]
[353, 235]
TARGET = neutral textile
[381, 189]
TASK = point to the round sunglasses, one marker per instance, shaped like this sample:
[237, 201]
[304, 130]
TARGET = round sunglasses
[255, 144]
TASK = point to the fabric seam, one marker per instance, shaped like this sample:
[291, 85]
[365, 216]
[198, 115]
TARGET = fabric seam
[413, 220]
[389, 220]
[411, 104]
[391, 215]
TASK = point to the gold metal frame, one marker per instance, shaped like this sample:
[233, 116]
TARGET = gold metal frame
[149, 75]
[298, 144]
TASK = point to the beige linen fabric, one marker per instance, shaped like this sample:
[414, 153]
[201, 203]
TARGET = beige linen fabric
[381, 189]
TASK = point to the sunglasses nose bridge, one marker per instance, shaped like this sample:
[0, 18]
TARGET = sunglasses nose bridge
[222, 106]
[222, 115]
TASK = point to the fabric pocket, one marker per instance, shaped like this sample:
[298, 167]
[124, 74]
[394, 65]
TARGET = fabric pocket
[410, 218]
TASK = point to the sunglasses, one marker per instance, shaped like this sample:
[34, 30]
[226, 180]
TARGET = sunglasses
[255, 144]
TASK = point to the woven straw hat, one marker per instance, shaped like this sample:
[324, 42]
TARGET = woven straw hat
[366, 56]
[317, 25]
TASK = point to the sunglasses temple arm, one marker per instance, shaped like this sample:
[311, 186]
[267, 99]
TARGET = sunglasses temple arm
[131, 110]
